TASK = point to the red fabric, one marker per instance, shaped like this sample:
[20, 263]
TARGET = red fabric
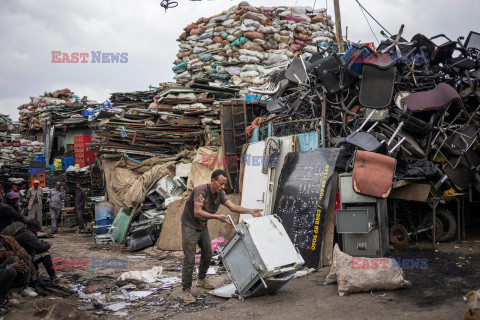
[183, 36]
[373, 174]
[319, 18]
[295, 47]
[183, 54]
[255, 123]
[241, 11]
[302, 36]
[434, 99]
[250, 45]
[300, 42]
[197, 31]
[190, 27]
[254, 35]
[296, 19]
[203, 20]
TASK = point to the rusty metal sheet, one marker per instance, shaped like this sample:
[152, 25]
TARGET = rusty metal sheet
[412, 192]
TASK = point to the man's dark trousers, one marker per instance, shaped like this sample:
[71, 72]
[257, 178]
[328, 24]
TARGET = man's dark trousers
[190, 238]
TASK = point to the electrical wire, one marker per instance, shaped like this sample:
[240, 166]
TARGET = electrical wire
[373, 18]
[369, 25]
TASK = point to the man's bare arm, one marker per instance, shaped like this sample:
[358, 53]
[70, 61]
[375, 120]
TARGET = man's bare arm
[238, 209]
[200, 213]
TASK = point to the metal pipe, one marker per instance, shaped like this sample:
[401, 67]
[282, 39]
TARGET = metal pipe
[395, 133]
[398, 144]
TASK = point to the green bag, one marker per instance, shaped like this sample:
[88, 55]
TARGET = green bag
[239, 41]
[180, 66]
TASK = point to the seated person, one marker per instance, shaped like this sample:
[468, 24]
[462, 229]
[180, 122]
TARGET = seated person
[7, 187]
[8, 215]
[8, 272]
[26, 236]
[13, 200]
[9, 247]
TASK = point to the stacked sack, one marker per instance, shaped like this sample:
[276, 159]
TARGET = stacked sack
[34, 113]
[245, 45]
[6, 123]
[20, 152]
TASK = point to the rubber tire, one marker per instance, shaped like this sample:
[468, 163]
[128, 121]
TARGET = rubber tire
[449, 223]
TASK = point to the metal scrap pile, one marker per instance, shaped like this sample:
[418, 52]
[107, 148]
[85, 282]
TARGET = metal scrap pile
[176, 119]
[415, 101]
[136, 99]
[89, 178]
[245, 45]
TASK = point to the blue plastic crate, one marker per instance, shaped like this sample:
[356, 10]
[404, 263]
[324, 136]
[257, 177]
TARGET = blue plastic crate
[68, 160]
[33, 171]
[40, 158]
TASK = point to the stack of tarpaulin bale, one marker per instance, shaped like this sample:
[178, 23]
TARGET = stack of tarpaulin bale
[54, 107]
[34, 113]
[6, 123]
[20, 152]
[244, 45]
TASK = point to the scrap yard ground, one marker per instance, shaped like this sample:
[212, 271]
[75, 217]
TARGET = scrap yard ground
[340, 144]
[436, 292]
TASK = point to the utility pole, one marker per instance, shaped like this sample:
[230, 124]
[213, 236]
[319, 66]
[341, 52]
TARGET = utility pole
[338, 25]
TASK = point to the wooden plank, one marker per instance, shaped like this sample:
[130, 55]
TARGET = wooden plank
[401, 183]
[134, 137]
[327, 243]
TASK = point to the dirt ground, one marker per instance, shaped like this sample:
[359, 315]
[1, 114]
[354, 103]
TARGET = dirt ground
[436, 292]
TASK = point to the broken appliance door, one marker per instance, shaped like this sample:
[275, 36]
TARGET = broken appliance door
[255, 183]
[287, 146]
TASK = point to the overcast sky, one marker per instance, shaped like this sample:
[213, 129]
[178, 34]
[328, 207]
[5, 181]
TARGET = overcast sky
[31, 29]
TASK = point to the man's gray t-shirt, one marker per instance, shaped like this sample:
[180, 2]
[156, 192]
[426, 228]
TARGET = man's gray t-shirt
[202, 194]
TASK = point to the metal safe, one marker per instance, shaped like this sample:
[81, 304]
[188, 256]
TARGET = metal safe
[362, 221]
